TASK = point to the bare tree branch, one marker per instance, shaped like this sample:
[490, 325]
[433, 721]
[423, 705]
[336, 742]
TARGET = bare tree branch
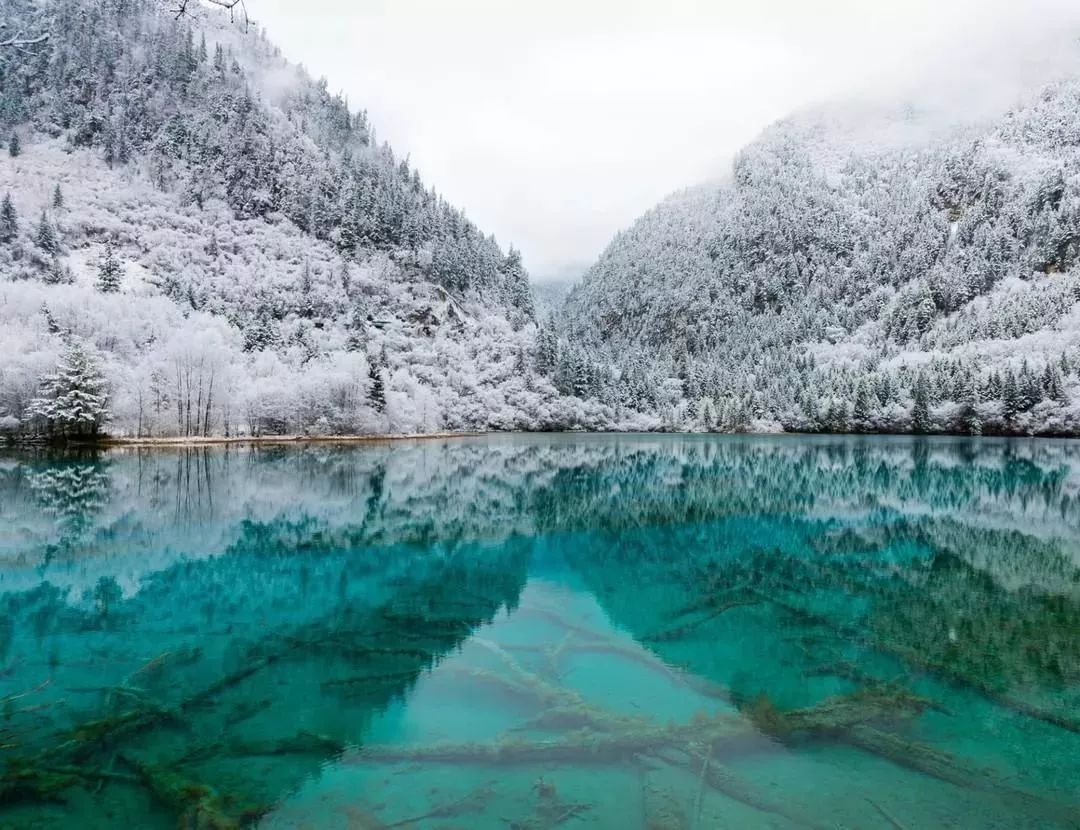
[19, 40]
[184, 7]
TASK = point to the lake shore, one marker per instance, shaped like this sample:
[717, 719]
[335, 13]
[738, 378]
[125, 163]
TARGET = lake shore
[213, 441]
[298, 440]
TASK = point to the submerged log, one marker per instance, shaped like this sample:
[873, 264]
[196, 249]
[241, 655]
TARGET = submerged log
[680, 631]
[1021, 707]
[197, 806]
[584, 746]
[945, 767]
[725, 781]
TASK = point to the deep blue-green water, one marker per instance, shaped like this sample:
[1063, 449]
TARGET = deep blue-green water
[655, 632]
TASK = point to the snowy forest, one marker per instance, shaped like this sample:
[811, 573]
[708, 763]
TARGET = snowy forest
[196, 238]
[864, 270]
[199, 239]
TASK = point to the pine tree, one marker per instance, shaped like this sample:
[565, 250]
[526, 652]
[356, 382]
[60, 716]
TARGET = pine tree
[377, 392]
[547, 348]
[357, 340]
[109, 271]
[969, 420]
[73, 401]
[1028, 388]
[58, 273]
[861, 412]
[516, 284]
[920, 412]
[1010, 396]
[57, 198]
[307, 302]
[14, 145]
[50, 322]
[9, 220]
[45, 236]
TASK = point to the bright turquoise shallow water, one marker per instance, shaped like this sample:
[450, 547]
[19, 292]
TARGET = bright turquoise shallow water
[656, 632]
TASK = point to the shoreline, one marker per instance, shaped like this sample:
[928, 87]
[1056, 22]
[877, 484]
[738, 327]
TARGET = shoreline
[214, 441]
[118, 443]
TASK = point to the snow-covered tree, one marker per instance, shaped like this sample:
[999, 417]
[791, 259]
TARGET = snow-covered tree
[9, 220]
[73, 400]
[110, 271]
[377, 388]
[45, 236]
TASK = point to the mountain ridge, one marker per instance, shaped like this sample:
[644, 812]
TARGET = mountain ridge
[842, 284]
[270, 250]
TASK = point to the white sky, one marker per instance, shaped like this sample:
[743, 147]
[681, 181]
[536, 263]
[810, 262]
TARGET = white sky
[554, 123]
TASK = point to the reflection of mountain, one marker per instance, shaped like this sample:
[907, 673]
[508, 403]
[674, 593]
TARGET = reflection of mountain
[282, 648]
[203, 608]
[156, 506]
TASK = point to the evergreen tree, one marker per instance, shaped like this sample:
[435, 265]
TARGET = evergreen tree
[1027, 388]
[57, 198]
[969, 420]
[45, 236]
[109, 271]
[1010, 396]
[259, 335]
[515, 279]
[14, 145]
[377, 392]
[357, 340]
[73, 401]
[50, 322]
[861, 411]
[547, 348]
[58, 273]
[920, 411]
[307, 302]
[9, 220]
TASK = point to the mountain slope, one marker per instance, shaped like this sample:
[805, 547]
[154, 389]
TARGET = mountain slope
[280, 270]
[862, 270]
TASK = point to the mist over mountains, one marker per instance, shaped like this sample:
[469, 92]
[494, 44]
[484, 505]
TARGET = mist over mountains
[865, 269]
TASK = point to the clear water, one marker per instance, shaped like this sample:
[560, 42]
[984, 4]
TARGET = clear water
[654, 632]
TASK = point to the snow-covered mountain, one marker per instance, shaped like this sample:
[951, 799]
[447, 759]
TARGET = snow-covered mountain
[863, 269]
[232, 245]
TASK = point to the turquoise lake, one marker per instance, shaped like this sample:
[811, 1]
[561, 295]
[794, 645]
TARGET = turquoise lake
[520, 632]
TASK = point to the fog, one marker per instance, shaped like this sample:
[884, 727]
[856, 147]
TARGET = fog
[556, 123]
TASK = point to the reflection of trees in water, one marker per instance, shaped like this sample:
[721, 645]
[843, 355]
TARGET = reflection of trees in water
[997, 615]
[282, 651]
[490, 489]
[73, 493]
[346, 572]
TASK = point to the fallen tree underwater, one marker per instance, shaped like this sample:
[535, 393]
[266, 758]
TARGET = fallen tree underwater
[565, 728]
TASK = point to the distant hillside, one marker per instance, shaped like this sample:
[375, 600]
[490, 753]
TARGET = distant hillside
[861, 271]
[233, 248]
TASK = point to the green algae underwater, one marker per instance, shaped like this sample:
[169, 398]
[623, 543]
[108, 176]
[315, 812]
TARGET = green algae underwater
[525, 632]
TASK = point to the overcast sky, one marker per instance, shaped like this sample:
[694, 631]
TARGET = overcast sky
[554, 123]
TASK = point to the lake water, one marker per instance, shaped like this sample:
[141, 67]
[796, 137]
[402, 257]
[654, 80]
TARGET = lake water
[660, 632]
